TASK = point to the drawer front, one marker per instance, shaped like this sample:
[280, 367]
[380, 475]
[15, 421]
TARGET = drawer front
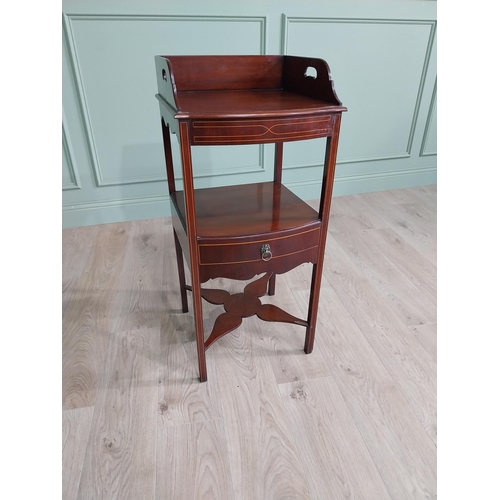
[224, 132]
[248, 270]
[262, 250]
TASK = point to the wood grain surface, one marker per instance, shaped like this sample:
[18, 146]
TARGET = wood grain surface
[405, 455]
[88, 314]
[76, 246]
[427, 336]
[418, 233]
[405, 298]
[75, 435]
[121, 456]
[193, 462]
[138, 301]
[419, 270]
[405, 358]
[354, 419]
[337, 464]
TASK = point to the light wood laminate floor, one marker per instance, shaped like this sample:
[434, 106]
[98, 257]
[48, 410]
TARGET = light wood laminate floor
[355, 419]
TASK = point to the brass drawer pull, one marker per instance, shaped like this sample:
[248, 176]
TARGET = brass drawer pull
[265, 252]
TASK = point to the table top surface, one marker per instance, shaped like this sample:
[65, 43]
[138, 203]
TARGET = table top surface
[249, 104]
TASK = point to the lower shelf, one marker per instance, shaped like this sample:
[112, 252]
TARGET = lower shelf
[245, 211]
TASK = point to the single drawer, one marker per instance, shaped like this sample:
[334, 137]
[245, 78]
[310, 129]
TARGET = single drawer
[255, 251]
[260, 131]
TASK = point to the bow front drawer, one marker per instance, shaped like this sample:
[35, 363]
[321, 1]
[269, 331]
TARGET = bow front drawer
[223, 132]
[259, 250]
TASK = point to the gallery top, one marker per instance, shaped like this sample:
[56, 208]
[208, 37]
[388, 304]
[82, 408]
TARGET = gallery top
[222, 87]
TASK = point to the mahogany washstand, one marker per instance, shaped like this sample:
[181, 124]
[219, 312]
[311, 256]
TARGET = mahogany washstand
[243, 230]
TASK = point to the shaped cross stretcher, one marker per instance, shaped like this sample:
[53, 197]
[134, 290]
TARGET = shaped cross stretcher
[244, 305]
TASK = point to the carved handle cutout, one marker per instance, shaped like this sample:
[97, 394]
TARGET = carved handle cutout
[311, 72]
[265, 252]
[164, 75]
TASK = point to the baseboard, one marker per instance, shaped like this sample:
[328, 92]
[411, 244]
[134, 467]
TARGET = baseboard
[105, 212]
[366, 183]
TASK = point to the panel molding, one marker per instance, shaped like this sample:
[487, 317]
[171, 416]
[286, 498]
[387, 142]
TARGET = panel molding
[200, 174]
[82, 99]
[287, 20]
[423, 151]
[118, 210]
[141, 200]
[67, 149]
[360, 159]
[384, 174]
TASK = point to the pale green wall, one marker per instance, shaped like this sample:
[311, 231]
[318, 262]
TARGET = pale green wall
[382, 56]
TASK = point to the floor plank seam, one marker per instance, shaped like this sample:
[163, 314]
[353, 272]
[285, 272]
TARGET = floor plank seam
[87, 448]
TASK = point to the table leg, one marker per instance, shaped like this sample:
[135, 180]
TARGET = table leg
[190, 211]
[324, 215]
[182, 276]
[278, 167]
[313, 308]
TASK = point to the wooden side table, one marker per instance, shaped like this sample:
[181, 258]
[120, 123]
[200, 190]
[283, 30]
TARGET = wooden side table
[243, 230]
